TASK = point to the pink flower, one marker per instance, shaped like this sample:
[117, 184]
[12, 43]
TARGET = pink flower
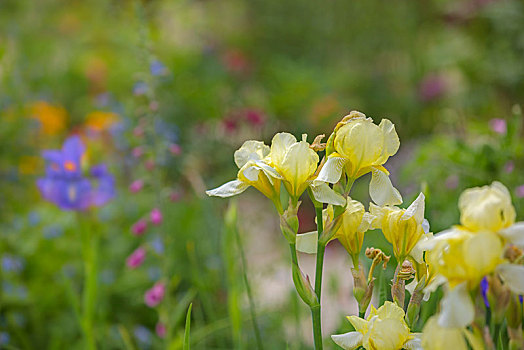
[498, 125]
[452, 182]
[136, 186]
[432, 87]
[520, 191]
[149, 164]
[175, 149]
[138, 131]
[160, 329]
[139, 227]
[509, 167]
[254, 117]
[137, 152]
[154, 296]
[136, 258]
[175, 196]
[156, 216]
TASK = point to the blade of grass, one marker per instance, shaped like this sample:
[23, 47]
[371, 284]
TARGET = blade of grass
[187, 344]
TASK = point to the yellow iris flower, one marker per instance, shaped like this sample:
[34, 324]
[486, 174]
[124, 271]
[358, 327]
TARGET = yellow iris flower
[356, 147]
[403, 228]
[287, 161]
[435, 337]
[384, 329]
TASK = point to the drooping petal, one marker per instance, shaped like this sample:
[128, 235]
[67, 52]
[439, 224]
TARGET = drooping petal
[514, 234]
[417, 252]
[435, 337]
[391, 140]
[54, 162]
[307, 242]
[416, 209]
[228, 189]
[348, 341]
[250, 171]
[325, 194]
[279, 146]
[332, 170]
[457, 308]
[513, 276]
[250, 150]
[381, 189]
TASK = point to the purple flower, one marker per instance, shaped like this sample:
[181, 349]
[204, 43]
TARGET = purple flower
[157, 68]
[66, 186]
[156, 216]
[432, 87]
[509, 167]
[154, 296]
[139, 227]
[519, 191]
[136, 258]
[498, 125]
[160, 329]
[484, 286]
[140, 88]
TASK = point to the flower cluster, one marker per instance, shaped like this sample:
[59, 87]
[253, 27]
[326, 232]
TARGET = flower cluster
[481, 259]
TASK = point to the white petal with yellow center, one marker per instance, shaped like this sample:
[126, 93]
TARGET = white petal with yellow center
[332, 170]
[279, 146]
[250, 150]
[325, 194]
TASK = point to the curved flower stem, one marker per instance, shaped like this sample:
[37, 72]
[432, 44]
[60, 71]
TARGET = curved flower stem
[89, 252]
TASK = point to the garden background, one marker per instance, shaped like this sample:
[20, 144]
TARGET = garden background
[211, 74]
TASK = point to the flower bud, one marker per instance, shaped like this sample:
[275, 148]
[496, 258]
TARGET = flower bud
[289, 223]
[136, 258]
[303, 287]
[139, 227]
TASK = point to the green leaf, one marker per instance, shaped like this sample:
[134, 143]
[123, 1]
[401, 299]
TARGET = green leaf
[187, 344]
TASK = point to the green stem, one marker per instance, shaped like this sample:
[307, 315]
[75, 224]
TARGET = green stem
[252, 310]
[89, 250]
[317, 330]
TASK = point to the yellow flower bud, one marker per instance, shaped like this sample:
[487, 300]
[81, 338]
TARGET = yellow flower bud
[355, 221]
[486, 208]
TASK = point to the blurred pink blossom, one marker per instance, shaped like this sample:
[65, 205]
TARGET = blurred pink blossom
[175, 149]
[452, 182]
[138, 131]
[137, 152]
[498, 125]
[154, 296]
[509, 167]
[519, 191]
[254, 117]
[139, 227]
[175, 196]
[160, 329]
[136, 258]
[431, 87]
[136, 186]
[149, 164]
[156, 216]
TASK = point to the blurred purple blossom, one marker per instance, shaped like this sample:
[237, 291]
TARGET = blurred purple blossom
[157, 68]
[156, 216]
[11, 263]
[142, 334]
[136, 258]
[431, 87]
[160, 329]
[484, 286]
[154, 296]
[519, 191]
[139, 227]
[498, 125]
[158, 244]
[452, 182]
[140, 88]
[136, 186]
[509, 167]
[53, 231]
[64, 184]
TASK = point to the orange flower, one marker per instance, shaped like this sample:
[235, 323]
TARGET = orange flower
[99, 121]
[52, 118]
